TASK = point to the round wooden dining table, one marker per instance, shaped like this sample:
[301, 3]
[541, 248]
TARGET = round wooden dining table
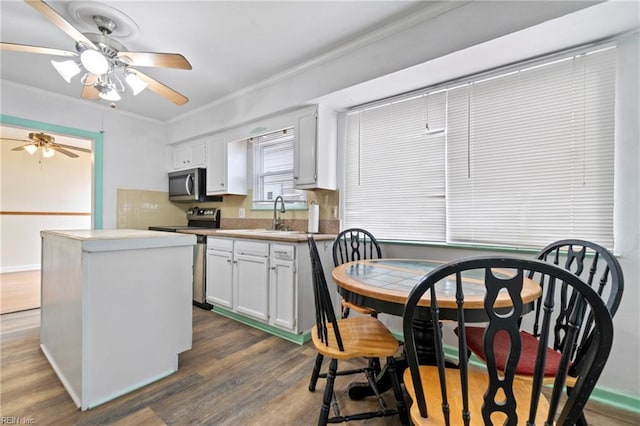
[385, 284]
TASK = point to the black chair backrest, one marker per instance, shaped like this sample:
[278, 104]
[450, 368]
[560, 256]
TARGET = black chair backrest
[597, 267]
[324, 307]
[500, 385]
[355, 244]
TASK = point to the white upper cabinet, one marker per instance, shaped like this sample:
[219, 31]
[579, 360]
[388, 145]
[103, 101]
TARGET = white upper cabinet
[315, 148]
[188, 155]
[226, 166]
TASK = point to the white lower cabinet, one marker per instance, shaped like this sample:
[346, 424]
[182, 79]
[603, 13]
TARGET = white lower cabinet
[219, 289]
[251, 279]
[265, 281]
[282, 276]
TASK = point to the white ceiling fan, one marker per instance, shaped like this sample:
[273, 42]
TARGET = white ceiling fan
[47, 144]
[104, 62]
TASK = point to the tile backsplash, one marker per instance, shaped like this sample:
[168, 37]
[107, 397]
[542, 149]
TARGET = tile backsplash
[139, 209]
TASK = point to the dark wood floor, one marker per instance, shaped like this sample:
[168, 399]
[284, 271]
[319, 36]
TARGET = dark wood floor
[234, 375]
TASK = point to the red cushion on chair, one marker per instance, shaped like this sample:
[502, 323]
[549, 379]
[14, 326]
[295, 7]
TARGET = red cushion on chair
[528, 355]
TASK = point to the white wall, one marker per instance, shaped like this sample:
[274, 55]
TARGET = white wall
[134, 147]
[31, 184]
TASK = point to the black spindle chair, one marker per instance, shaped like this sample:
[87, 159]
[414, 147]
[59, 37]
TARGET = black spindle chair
[472, 395]
[596, 266]
[349, 338]
[355, 244]
[350, 244]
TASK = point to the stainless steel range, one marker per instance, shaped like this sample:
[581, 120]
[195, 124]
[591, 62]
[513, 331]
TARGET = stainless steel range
[197, 218]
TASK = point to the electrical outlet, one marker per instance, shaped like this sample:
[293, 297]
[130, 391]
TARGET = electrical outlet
[241, 212]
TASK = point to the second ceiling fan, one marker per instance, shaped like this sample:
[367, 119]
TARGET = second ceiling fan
[105, 63]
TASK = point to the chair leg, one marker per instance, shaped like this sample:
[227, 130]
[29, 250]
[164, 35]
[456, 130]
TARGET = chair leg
[397, 391]
[315, 373]
[328, 393]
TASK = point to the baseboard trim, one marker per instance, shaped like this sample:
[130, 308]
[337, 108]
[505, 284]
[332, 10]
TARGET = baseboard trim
[19, 268]
[299, 339]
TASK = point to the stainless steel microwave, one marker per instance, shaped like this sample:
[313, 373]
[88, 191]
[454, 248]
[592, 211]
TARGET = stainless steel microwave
[188, 185]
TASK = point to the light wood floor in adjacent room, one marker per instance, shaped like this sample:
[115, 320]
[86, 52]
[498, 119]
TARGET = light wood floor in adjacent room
[233, 375]
[19, 291]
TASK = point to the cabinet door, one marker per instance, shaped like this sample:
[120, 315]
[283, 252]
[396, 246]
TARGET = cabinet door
[181, 157]
[251, 279]
[198, 154]
[219, 290]
[283, 293]
[216, 166]
[304, 168]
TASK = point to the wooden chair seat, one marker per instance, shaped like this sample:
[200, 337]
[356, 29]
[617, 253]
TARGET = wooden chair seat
[359, 309]
[362, 337]
[478, 384]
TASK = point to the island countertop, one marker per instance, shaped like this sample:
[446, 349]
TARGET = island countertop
[121, 239]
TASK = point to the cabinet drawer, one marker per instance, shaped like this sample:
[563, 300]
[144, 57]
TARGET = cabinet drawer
[249, 248]
[282, 252]
[219, 244]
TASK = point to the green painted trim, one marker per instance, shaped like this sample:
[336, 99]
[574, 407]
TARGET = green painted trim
[615, 399]
[98, 156]
[299, 339]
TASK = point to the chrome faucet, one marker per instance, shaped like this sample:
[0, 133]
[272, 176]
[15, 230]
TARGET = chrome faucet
[277, 221]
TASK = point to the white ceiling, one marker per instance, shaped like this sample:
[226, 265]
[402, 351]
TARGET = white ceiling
[234, 45]
[230, 44]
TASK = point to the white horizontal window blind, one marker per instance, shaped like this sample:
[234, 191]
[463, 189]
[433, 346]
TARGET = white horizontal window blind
[274, 168]
[530, 155]
[518, 159]
[395, 170]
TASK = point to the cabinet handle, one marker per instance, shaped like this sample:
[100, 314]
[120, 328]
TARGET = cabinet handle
[221, 183]
[273, 268]
[280, 252]
[295, 178]
[228, 260]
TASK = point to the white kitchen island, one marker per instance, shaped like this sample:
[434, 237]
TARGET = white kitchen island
[116, 308]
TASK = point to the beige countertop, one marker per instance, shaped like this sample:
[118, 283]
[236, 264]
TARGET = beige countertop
[119, 239]
[260, 234]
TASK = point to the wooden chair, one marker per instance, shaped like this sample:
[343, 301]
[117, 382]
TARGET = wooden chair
[596, 266]
[350, 244]
[355, 244]
[444, 396]
[349, 338]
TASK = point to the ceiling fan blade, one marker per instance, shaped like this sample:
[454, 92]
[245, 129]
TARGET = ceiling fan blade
[63, 151]
[17, 140]
[20, 148]
[60, 22]
[36, 49]
[162, 90]
[88, 91]
[151, 59]
[77, 148]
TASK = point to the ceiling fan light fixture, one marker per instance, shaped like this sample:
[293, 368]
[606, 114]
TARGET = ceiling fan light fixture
[136, 84]
[94, 61]
[66, 69]
[31, 149]
[47, 152]
[111, 95]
